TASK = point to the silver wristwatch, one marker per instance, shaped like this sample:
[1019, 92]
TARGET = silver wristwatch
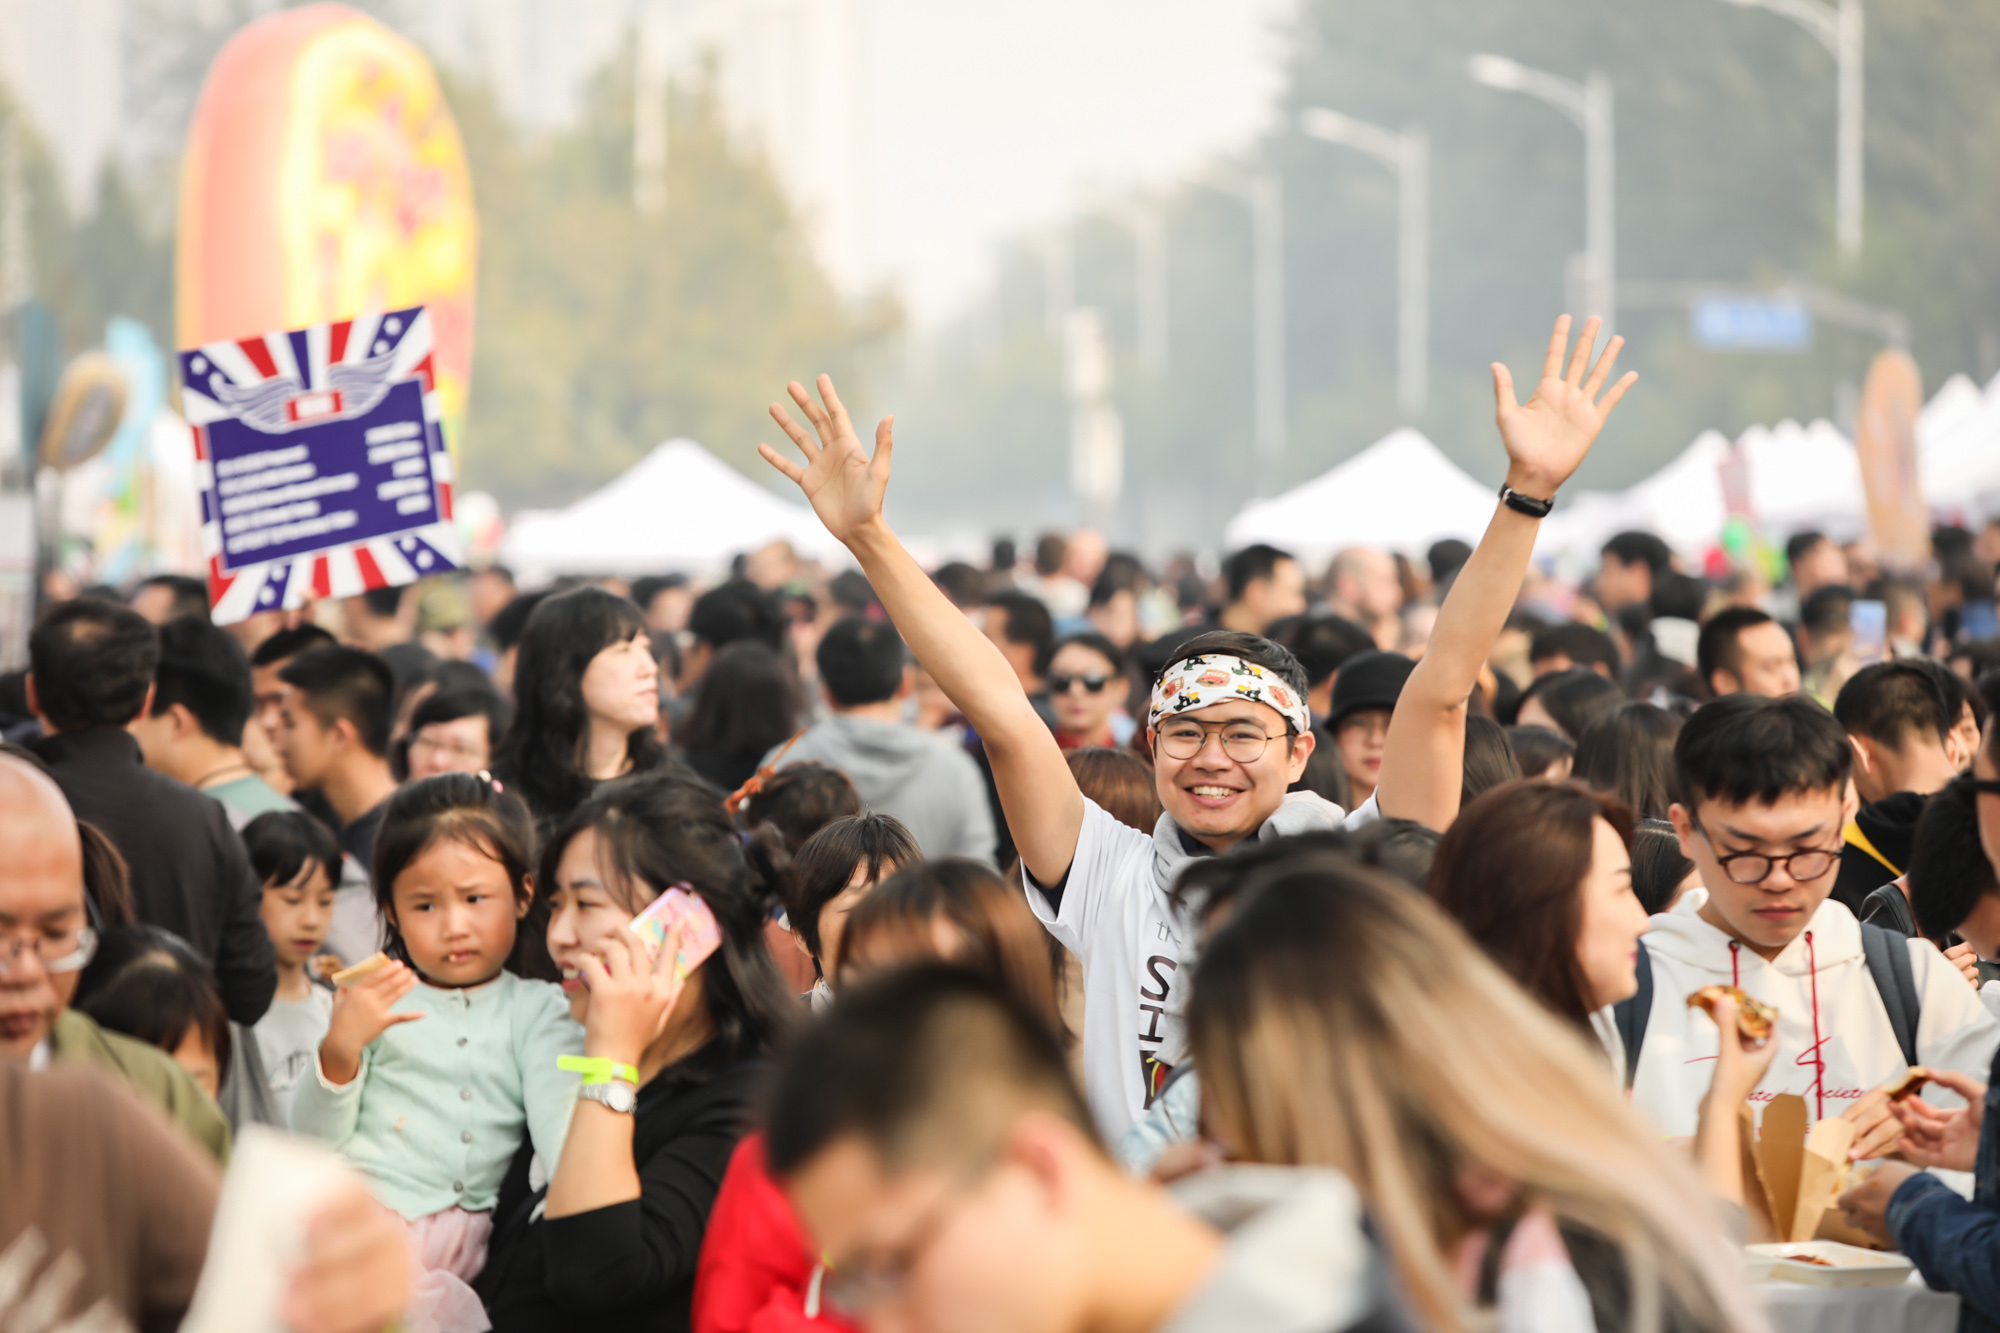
[617, 1095]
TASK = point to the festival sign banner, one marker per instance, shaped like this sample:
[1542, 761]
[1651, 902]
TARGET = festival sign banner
[321, 462]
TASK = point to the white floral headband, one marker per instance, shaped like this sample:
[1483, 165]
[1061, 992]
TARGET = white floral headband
[1213, 678]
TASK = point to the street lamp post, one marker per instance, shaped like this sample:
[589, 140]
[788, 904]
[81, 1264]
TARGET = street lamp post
[1408, 154]
[1589, 105]
[1838, 26]
[1267, 258]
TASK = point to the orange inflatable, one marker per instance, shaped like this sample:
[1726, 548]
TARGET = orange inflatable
[324, 177]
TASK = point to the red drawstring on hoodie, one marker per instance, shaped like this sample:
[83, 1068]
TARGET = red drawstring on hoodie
[1819, 1059]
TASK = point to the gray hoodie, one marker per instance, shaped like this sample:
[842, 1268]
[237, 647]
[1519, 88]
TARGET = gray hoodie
[918, 777]
[1297, 1258]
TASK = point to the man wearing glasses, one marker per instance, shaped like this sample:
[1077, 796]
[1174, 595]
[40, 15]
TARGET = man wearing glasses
[1763, 788]
[45, 941]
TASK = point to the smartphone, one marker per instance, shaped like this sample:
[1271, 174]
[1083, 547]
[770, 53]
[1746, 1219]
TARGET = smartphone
[1869, 623]
[700, 936]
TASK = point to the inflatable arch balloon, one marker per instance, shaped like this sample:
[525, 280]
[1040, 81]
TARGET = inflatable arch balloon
[324, 178]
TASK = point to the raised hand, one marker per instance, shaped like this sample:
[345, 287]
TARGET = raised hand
[1548, 436]
[631, 996]
[361, 1013]
[842, 483]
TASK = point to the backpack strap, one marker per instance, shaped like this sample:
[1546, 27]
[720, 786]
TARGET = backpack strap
[1630, 1016]
[1888, 957]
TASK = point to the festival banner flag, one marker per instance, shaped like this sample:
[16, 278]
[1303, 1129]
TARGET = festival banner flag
[321, 462]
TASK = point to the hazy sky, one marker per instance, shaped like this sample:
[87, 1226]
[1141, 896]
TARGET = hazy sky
[986, 119]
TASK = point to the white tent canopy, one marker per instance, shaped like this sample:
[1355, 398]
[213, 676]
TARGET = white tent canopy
[1400, 493]
[678, 509]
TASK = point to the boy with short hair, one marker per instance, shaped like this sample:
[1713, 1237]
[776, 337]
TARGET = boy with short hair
[1761, 797]
[930, 1138]
[193, 730]
[1906, 745]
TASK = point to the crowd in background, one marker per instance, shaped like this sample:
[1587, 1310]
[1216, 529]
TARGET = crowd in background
[981, 820]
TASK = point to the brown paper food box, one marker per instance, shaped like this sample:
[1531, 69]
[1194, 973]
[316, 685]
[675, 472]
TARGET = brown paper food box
[1793, 1175]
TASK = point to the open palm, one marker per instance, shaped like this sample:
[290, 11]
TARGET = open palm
[1548, 437]
[841, 482]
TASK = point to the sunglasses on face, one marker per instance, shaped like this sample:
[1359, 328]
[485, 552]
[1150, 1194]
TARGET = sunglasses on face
[1093, 684]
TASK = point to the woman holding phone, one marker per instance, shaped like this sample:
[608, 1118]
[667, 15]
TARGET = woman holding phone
[669, 1066]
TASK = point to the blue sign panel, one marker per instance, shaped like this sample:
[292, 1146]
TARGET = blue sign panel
[1752, 324]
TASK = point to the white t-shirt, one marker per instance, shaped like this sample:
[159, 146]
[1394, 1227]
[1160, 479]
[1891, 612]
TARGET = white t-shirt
[1137, 956]
[1114, 917]
[288, 1036]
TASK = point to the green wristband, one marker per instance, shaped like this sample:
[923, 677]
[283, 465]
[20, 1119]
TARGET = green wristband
[596, 1069]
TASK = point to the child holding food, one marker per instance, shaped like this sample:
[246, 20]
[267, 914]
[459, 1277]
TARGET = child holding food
[436, 1058]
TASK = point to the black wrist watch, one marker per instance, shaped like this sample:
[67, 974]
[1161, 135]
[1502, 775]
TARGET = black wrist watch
[1526, 504]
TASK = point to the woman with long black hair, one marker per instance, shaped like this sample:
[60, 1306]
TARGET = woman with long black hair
[587, 702]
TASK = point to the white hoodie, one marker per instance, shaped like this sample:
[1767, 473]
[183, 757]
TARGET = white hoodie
[1826, 1000]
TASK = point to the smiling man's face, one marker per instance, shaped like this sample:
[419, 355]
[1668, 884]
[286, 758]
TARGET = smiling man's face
[1219, 799]
[1771, 913]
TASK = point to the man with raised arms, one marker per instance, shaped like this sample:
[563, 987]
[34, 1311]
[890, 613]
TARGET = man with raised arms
[1228, 719]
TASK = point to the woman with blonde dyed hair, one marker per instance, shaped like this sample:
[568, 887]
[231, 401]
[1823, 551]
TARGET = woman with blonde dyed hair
[1340, 1020]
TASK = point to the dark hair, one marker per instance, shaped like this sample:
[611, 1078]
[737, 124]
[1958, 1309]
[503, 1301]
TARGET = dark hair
[825, 866]
[861, 661]
[1802, 543]
[891, 1063]
[1025, 619]
[738, 609]
[1511, 869]
[282, 843]
[204, 670]
[449, 705]
[337, 682]
[383, 603]
[543, 750]
[1445, 558]
[1825, 610]
[1119, 781]
[1888, 701]
[1629, 753]
[997, 934]
[1640, 548]
[1537, 747]
[188, 595]
[1658, 867]
[645, 590]
[1584, 645]
[1252, 648]
[457, 807]
[801, 800]
[1949, 871]
[747, 703]
[1573, 699]
[1401, 848]
[1322, 644]
[964, 585]
[92, 662]
[510, 622]
[1744, 748]
[1720, 647]
[290, 642]
[1050, 548]
[149, 984]
[1122, 572]
[1098, 644]
[107, 879]
[663, 830]
[1249, 565]
[1488, 762]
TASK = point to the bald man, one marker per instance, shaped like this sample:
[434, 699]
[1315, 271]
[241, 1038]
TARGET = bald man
[46, 938]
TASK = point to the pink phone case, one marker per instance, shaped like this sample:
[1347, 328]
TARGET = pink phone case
[700, 936]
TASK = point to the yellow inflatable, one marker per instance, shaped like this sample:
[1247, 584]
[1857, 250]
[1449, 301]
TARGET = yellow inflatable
[324, 177]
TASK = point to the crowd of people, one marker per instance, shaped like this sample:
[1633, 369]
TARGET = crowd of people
[1090, 945]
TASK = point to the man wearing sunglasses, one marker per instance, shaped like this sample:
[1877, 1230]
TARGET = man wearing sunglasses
[1763, 794]
[46, 939]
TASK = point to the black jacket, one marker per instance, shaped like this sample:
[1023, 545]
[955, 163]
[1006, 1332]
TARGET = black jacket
[631, 1266]
[1890, 825]
[190, 872]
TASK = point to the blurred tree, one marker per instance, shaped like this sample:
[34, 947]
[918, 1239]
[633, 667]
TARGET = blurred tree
[603, 331]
